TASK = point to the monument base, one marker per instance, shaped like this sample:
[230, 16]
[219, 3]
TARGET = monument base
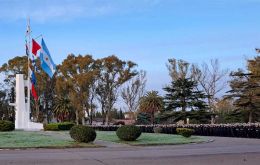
[34, 127]
[22, 113]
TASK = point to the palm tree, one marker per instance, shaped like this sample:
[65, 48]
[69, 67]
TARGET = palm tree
[151, 103]
[62, 108]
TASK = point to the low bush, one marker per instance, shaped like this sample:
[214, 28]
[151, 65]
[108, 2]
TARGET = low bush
[65, 126]
[185, 132]
[58, 126]
[51, 127]
[6, 125]
[128, 132]
[83, 133]
[157, 129]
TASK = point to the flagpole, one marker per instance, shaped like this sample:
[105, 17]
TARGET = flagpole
[28, 76]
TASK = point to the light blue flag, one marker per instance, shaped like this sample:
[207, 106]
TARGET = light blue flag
[46, 61]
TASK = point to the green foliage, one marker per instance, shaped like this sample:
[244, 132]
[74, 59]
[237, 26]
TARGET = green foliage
[182, 93]
[236, 116]
[65, 126]
[113, 74]
[196, 117]
[58, 126]
[116, 114]
[76, 76]
[151, 103]
[185, 132]
[6, 125]
[83, 134]
[199, 117]
[128, 132]
[51, 127]
[6, 111]
[62, 108]
[245, 90]
[143, 118]
[16, 65]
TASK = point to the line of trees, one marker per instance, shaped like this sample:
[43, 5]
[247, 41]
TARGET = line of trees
[79, 84]
[83, 84]
[193, 92]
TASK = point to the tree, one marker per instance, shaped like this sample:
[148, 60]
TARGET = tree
[113, 73]
[76, 74]
[16, 65]
[151, 103]
[182, 93]
[42, 108]
[44, 86]
[62, 108]
[245, 90]
[225, 110]
[212, 81]
[180, 69]
[133, 91]
[6, 111]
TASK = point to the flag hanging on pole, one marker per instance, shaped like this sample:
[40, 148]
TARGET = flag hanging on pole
[34, 64]
[35, 47]
[27, 50]
[33, 78]
[46, 61]
[33, 83]
[34, 94]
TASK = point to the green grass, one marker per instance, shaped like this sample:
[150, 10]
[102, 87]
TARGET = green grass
[62, 139]
[151, 139]
[24, 139]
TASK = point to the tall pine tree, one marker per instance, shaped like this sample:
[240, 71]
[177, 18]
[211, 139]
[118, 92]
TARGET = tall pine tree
[245, 90]
[183, 94]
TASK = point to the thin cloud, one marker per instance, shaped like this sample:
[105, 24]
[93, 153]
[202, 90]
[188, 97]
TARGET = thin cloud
[42, 11]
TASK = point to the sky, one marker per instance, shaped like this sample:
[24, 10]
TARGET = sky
[148, 32]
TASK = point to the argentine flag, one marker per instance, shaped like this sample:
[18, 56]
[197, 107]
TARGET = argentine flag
[46, 62]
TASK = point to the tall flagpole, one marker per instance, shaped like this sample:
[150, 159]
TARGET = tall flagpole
[28, 36]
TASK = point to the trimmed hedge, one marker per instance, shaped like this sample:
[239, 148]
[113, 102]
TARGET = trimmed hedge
[185, 132]
[224, 130]
[65, 126]
[128, 132]
[6, 125]
[82, 133]
[58, 126]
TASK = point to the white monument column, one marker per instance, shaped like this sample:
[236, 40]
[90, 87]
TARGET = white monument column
[22, 114]
[21, 118]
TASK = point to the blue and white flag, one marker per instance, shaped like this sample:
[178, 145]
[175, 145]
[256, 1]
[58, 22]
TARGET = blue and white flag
[46, 61]
[33, 78]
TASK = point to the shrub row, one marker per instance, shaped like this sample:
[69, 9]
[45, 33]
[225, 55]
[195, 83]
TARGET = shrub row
[6, 125]
[224, 130]
[58, 126]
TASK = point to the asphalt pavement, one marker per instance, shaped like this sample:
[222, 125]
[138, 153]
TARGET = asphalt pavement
[226, 151]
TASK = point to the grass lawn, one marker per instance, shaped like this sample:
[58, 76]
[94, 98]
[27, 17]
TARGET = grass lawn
[62, 139]
[41, 139]
[151, 139]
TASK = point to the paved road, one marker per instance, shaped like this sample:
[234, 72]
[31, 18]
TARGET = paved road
[222, 151]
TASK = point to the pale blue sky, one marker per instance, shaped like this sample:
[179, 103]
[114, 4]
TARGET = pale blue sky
[147, 32]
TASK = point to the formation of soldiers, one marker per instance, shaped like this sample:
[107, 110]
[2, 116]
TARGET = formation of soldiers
[224, 130]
